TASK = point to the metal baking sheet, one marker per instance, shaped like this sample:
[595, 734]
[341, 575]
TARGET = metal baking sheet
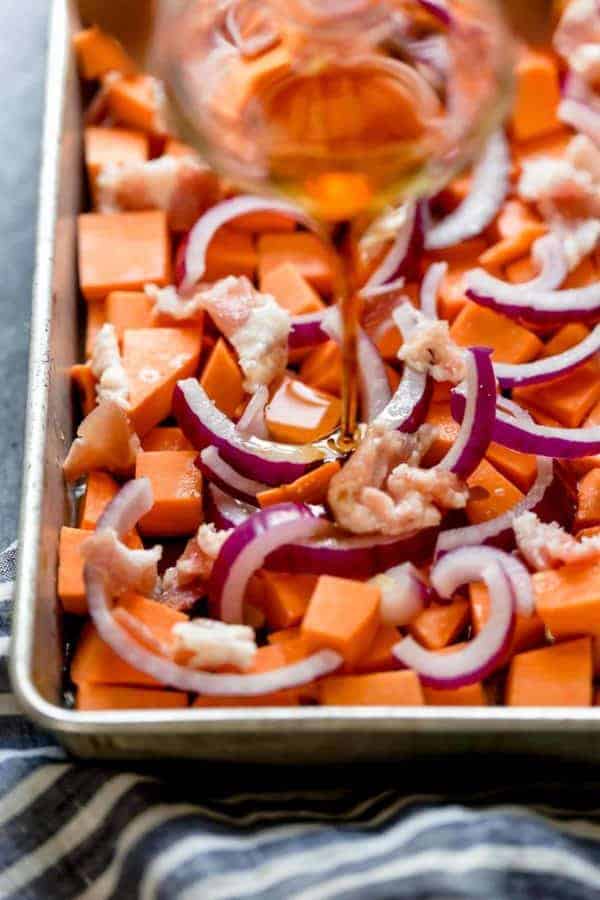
[307, 735]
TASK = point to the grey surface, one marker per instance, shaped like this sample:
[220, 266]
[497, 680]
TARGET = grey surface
[22, 62]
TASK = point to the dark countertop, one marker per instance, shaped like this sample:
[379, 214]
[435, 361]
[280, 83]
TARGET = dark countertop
[22, 63]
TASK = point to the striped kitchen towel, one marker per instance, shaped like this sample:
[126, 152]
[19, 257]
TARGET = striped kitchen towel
[194, 832]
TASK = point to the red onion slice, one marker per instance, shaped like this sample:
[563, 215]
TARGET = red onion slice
[479, 657]
[488, 192]
[380, 290]
[541, 440]
[403, 594]
[267, 461]
[548, 255]
[375, 393]
[438, 10]
[546, 307]
[245, 551]
[252, 422]
[407, 409]
[220, 473]
[250, 46]
[551, 366]
[207, 226]
[430, 287]
[122, 514]
[405, 251]
[307, 331]
[477, 425]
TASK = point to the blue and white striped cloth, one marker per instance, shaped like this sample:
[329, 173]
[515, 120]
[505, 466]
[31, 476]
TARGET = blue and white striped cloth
[194, 832]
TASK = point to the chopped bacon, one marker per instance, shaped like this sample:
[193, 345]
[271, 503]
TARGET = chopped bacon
[170, 305]
[124, 569]
[547, 546]
[255, 324]
[381, 488]
[185, 583]
[105, 440]
[107, 366]
[429, 348]
[181, 186]
[577, 38]
[208, 644]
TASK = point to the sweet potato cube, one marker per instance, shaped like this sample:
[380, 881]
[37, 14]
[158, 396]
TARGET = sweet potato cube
[222, 379]
[299, 414]
[92, 697]
[122, 251]
[520, 468]
[537, 97]
[100, 489]
[269, 220]
[177, 490]
[588, 500]
[230, 253]
[469, 695]
[155, 359]
[98, 54]
[291, 290]
[129, 309]
[440, 624]
[112, 146]
[379, 656]
[568, 599]
[95, 319]
[305, 251]
[554, 676]
[491, 493]
[322, 368]
[447, 428]
[286, 597]
[378, 689]
[84, 383]
[309, 488]
[166, 438]
[529, 633]
[476, 326]
[136, 103]
[343, 615]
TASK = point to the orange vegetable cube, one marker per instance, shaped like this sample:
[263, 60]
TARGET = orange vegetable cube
[309, 488]
[122, 251]
[95, 319]
[379, 656]
[447, 428]
[469, 695]
[378, 689]
[451, 294]
[491, 493]
[287, 634]
[222, 379]
[177, 490]
[155, 359]
[477, 326]
[322, 368]
[548, 145]
[170, 438]
[230, 253]
[299, 414]
[291, 290]
[112, 146]
[470, 249]
[511, 248]
[129, 309]
[530, 631]
[537, 97]
[554, 676]
[588, 500]
[520, 468]
[268, 220]
[93, 697]
[100, 489]
[136, 102]
[568, 599]
[305, 251]
[84, 382]
[440, 624]
[342, 615]
[286, 597]
[99, 53]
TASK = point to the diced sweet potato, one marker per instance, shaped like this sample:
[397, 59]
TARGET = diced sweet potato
[129, 309]
[112, 146]
[555, 676]
[342, 615]
[529, 633]
[291, 290]
[122, 251]
[568, 599]
[286, 597]
[84, 382]
[379, 656]
[92, 697]
[299, 414]
[177, 491]
[98, 54]
[222, 379]
[136, 102]
[305, 251]
[520, 468]
[322, 368]
[378, 689]
[166, 438]
[537, 97]
[95, 319]
[491, 494]
[155, 359]
[588, 500]
[309, 488]
[469, 695]
[101, 488]
[440, 625]
[477, 326]
[231, 253]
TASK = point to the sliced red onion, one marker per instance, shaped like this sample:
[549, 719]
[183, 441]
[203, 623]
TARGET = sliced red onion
[403, 594]
[336, 553]
[267, 461]
[122, 514]
[488, 192]
[541, 440]
[207, 226]
[250, 46]
[546, 307]
[430, 287]
[220, 473]
[480, 534]
[371, 293]
[548, 255]
[245, 551]
[407, 409]
[438, 10]
[551, 366]
[252, 422]
[581, 117]
[477, 426]
[307, 331]
[482, 653]
[430, 51]
[404, 252]
[375, 393]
